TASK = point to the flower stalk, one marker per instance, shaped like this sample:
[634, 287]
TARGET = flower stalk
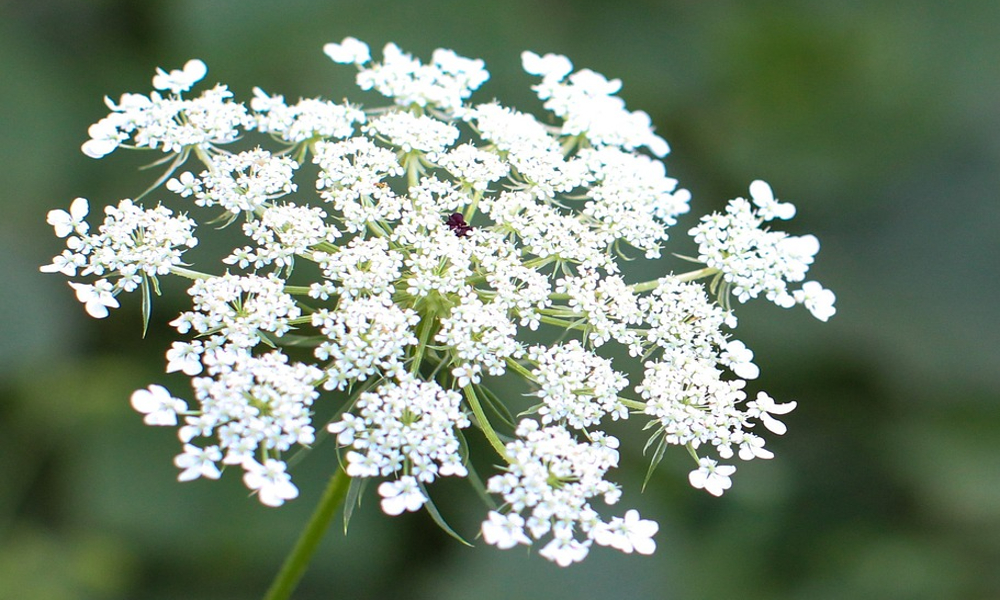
[298, 559]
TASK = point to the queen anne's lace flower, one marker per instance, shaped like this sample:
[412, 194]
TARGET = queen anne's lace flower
[474, 167]
[753, 260]
[309, 119]
[482, 337]
[364, 267]
[611, 308]
[283, 231]
[180, 80]
[551, 479]
[351, 177]
[631, 534]
[66, 223]
[587, 103]
[270, 481]
[445, 83]
[244, 182]
[97, 298]
[171, 124]
[410, 132]
[437, 230]
[404, 428]
[576, 386]
[158, 405]
[132, 245]
[817, 299]
[712, 477]
[239, 309]
[366, 337]
[252, 404]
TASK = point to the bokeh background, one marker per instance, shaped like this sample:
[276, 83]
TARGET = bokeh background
[879, 119]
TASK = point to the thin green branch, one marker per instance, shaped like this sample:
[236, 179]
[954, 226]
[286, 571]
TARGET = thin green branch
[297, 561]
[513, 365]
[189, 274]
[425, 328]
[297, 290]
[633, 404]
[698, 274]
[646, 286]
[484, 424]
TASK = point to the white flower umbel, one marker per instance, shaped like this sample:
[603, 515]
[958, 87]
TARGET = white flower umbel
[576, 386]
[132, 245]
[238, 308]
[410, 254]
[406, 428]
[551, 478]
[365, 337]
[310, 119]
[253, 408]
[482, 336]
[753, 260]
[351, 177]
[283, 231]
[586, 102]
[172, 124]
[363, 267]
[445, 83]
[244, 182]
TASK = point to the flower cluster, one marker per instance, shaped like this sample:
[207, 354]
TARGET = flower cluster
[133, 245]
[171, 124]
[752, 260]
[411, 423]
[439, 233]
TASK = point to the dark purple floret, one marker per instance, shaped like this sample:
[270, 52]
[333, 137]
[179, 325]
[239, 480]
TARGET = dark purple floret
[456, 222]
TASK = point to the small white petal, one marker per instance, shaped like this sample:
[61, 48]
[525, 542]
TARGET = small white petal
[349, 51]
[761, 192]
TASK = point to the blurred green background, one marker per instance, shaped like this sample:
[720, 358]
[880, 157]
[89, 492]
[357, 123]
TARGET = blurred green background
[880, 120]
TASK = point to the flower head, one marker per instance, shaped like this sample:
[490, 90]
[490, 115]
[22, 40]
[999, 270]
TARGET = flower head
[443, 243]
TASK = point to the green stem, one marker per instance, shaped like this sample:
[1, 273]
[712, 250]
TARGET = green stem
[189, 274]
[561, 323]
[297, 561]
[699, 274]
[646, 286]
[633, 404]
[297, 290]
[513, 365]
[412, 164]
[484, 424]
[538, 263]
[425, 327]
